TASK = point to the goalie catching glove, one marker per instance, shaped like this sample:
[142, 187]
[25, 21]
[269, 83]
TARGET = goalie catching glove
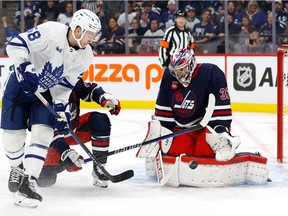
[71, 160]
[109, 101]
[223, 144]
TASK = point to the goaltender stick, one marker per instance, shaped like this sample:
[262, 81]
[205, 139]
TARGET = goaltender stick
[205, 157]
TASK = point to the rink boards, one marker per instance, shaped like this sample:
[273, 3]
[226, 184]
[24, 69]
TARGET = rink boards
[252, 79]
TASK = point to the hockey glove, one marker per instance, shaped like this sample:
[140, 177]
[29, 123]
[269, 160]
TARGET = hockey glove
[61, 123]
[108, 100]
[71, 160]
[27, 77]
[223, 144]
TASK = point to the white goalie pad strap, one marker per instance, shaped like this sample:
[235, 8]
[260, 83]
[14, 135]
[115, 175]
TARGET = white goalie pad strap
[155, 130]
[168, 174]
[223, 145]
[211, 173]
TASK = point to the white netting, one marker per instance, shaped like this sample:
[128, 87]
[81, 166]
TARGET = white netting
[283, 102]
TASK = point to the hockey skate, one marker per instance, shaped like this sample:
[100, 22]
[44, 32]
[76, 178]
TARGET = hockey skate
[15, 178]
[27, 195]
[99, 179]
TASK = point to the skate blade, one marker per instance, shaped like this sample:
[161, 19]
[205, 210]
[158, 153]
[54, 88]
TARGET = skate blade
[101, 184]
[23, 201]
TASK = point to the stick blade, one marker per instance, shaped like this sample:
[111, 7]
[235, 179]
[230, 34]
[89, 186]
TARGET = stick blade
[122, 176]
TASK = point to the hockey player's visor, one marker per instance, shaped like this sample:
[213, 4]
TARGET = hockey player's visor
[92, 36]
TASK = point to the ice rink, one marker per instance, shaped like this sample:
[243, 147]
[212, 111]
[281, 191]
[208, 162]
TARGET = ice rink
[74, 194]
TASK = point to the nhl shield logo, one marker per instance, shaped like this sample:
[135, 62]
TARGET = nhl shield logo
[244, 77]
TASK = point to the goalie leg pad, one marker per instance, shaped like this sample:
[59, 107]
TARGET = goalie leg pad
[150, 150]
[150, 167]
[243, 168]
[257, 172]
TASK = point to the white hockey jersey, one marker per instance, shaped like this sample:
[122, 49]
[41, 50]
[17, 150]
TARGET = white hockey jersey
[57, 64]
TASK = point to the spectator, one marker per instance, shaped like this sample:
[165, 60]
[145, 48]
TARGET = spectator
[266, 30]
[231, 6]
[97, 7]
[246, 28]
[134, 34]
[50, 11]
[255, 14]
[32, 13]
[191, 18]
[168, 16]
[204, 30]
[147, 14]
[10, 34]
[281, 15]
[233, 28]
[94, 6]
[162, 5]
[241, 5]
[111, 41]
[195, 4]
[113, 8]
[265, 6]
[131, 14]
[66, 17]
[256, 45]
[152, 44]
[233, 31]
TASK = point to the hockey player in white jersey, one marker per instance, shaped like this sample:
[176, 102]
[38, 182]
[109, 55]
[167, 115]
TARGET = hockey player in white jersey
[49, 58]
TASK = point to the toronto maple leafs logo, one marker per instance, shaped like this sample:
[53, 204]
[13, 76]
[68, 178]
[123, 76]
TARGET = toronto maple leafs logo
[49, 76]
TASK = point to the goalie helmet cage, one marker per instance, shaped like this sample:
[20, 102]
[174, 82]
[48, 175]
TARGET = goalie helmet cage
[282, 104]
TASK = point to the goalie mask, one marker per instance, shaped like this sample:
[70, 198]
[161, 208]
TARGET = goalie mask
[182, 65]
[88, 22]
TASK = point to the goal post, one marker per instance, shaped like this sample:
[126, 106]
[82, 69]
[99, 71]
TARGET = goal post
[282, 104]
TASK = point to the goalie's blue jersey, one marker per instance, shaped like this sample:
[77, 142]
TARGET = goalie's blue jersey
[181, 107]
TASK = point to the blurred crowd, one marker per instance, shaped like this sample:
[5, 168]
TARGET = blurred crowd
[250, 22]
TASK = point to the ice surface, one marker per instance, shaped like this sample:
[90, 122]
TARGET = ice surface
[74, 194]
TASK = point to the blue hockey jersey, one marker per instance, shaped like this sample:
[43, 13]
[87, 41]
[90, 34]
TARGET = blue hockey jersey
[181, 107]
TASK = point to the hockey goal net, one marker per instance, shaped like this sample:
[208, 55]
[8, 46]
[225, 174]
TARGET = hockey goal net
[282, 104]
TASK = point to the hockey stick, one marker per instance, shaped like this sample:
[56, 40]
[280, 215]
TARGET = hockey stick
[113, 178]
[202, 124]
